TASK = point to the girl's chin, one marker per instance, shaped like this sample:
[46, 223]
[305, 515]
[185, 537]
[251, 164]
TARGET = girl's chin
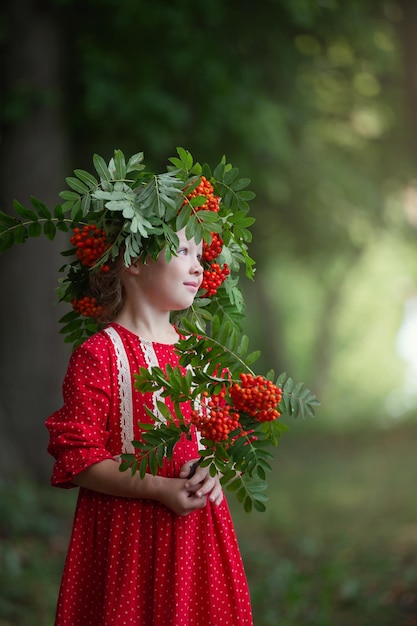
[181, 306]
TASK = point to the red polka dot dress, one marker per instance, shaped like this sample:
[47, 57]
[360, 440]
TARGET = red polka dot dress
[133, 562]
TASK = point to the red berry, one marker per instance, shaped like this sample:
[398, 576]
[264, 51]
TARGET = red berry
[256, 396]
[87, 307]
[218, 421]
[90, 243]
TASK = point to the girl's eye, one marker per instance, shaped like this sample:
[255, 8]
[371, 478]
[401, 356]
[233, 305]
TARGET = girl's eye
[182, 251]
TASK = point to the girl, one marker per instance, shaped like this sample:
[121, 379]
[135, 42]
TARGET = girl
[157, 551]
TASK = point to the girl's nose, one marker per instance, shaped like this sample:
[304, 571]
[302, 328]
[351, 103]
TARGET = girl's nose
[197, 267]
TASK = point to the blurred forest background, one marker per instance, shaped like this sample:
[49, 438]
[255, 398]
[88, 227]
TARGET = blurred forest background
[315, 101]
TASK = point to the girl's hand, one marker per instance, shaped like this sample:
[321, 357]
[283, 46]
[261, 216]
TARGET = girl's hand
[105, 477]
[201, 483]
[180, 495]
[173, 494]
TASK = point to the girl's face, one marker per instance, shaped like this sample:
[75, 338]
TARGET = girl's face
[172, 286]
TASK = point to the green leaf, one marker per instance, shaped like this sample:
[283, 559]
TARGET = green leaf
[244, 344]
[160, 453]
[153, 463]
[85, 204]
[164, 410]
[252, 357]
[128, 461]
[235, 484]
[101, 167]
[238, 449]
[42, 209]
[121, 205]
[230, 176]
[24, 212]
[143, 466]
[219, 171]
[240, 184]
[134, 163]
[227, 476]
[261, 472]
[6, 241]
[77, 185]
[259, 506]
[281, 379]
[58, 212]
[120, 164]
[198, 201]
[20, 233]
[245, 195]
[35, 229]
[71, 326]
[185, 157]
[76, 210]
[241, 494]
[193, 230]
[49, 229]
[86, 178]
[7, 221]
[247, 505]
[69, 195]
[288, 386]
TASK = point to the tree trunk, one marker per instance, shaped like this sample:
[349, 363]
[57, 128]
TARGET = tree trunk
[407, 32]
[33, 356]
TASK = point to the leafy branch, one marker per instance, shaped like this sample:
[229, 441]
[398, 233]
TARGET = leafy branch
[243, 459]
[32, 223]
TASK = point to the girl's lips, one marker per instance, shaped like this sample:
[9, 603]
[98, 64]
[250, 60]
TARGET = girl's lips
[193, 285]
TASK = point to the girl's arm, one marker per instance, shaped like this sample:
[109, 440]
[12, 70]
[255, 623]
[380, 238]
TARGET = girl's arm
[106, 478]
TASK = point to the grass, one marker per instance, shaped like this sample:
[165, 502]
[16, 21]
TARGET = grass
[337, 545]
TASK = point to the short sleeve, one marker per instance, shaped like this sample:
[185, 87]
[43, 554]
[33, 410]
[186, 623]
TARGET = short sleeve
[79, 430]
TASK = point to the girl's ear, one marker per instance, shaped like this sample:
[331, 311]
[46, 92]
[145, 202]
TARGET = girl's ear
[133, 269]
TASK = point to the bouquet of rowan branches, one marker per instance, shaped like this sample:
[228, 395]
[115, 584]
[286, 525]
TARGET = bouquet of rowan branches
[238, 414]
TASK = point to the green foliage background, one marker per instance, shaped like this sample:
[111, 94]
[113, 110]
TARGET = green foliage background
[308, 99]
[314, 100]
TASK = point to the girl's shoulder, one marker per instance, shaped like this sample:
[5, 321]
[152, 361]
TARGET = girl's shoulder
[97, 347]
[93, 360]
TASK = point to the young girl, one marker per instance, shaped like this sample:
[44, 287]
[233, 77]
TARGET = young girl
[157, 551]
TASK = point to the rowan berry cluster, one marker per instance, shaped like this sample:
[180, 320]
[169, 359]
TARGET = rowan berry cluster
[214, 275]
[213, 278]
[205, 188]
[87, 306]
[90, 243]
[218, 422]
[213, 249]
[256, 396]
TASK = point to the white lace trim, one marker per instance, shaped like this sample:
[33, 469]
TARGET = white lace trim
[125, 391]
[200, 406]
[152, 361]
